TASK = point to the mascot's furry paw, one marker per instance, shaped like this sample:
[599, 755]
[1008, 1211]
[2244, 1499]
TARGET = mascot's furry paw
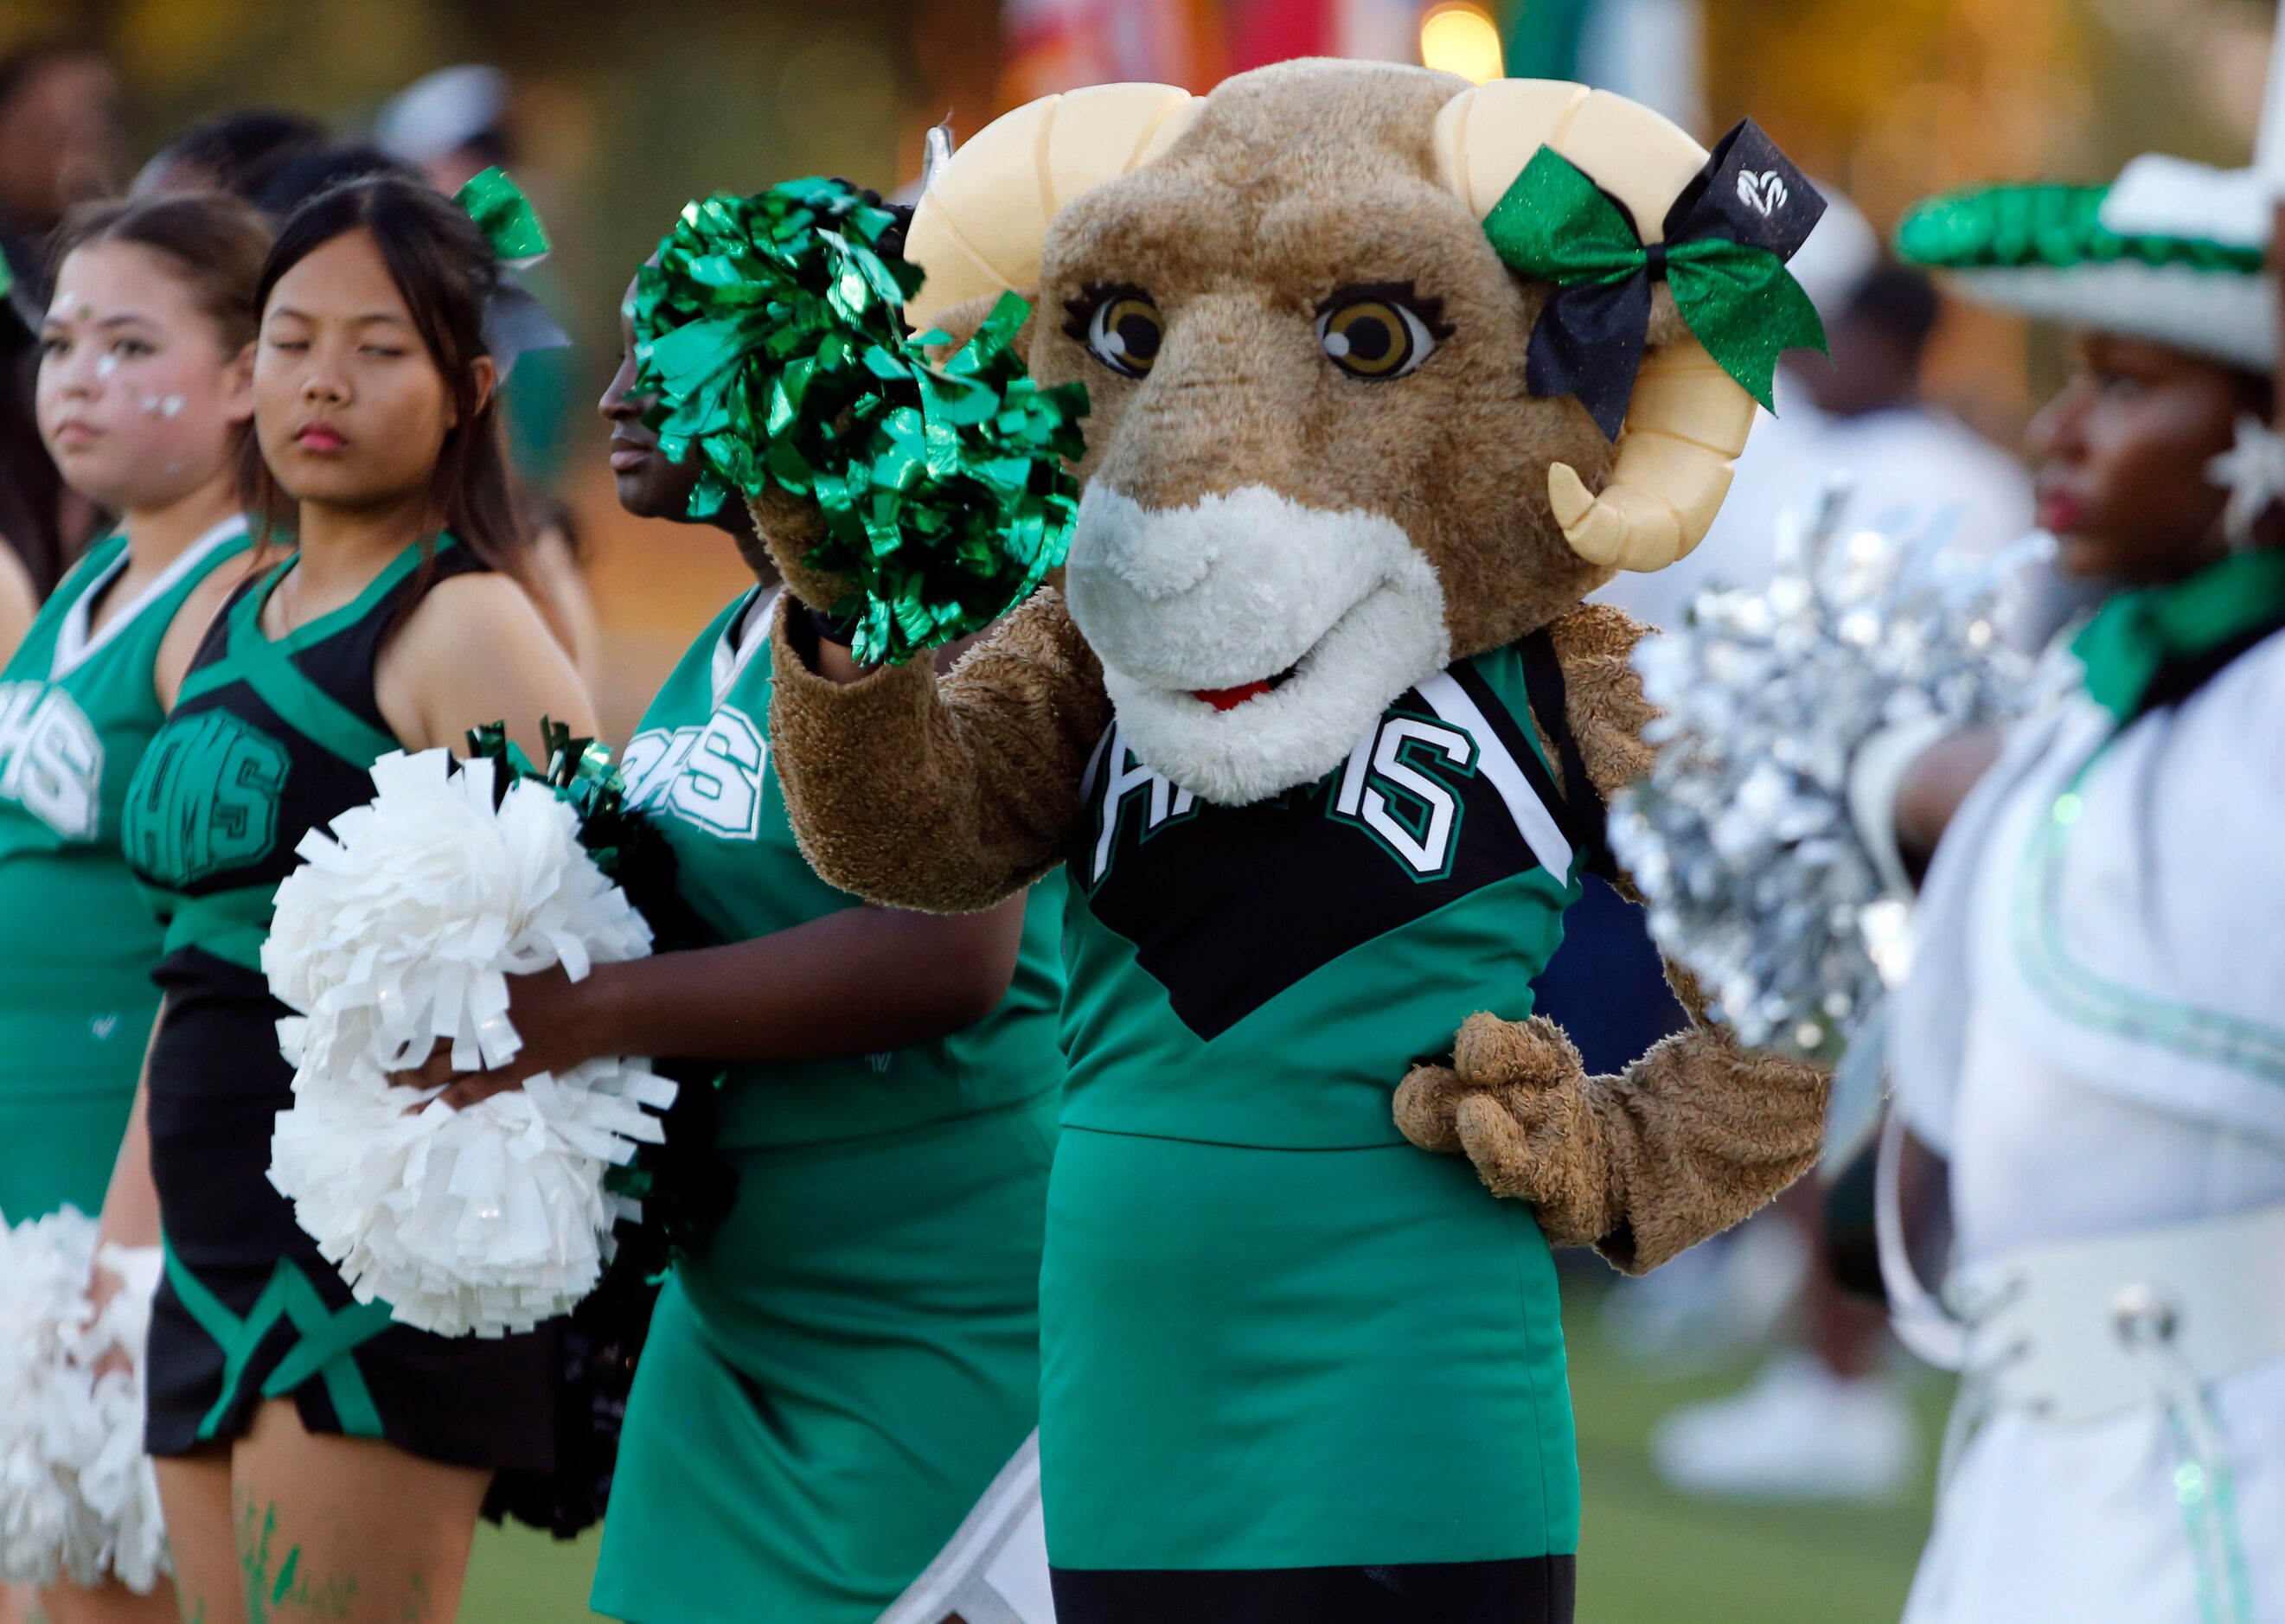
[1515, 1100]
[1689, 1139]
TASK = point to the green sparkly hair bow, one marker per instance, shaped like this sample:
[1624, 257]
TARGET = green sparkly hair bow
[505, 216]
[515, 322]
[1726, 239]
[771, 335]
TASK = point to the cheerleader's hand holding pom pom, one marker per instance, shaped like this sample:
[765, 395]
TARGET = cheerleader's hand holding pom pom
[1765, 839]
[549, 1010]
[399, 933]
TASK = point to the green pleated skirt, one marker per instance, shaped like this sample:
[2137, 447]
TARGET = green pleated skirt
[825, 1395]
[1272, 1359]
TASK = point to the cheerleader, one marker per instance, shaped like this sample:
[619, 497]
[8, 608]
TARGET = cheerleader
[828, 1389]
[2091, 1035]
[144, 401]
[314, 1458]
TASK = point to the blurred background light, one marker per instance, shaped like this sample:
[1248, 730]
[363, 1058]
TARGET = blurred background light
[1460, 39]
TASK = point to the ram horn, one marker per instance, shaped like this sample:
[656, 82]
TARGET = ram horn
[1688, 419]
[979, 227]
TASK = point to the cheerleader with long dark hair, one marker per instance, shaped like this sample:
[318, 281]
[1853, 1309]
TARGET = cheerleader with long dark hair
[316, 1458]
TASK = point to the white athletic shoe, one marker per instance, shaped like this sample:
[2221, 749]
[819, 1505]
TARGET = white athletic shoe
[1798, 1433]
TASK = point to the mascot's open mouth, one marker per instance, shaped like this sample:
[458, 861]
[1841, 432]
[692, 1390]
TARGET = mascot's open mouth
[1187, 606]
[1230, 699]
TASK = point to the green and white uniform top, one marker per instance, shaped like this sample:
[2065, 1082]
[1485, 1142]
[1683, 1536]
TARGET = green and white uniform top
[269, 737]
[77, 708]
[699, 765]
[1266, 975]
[2110, 888]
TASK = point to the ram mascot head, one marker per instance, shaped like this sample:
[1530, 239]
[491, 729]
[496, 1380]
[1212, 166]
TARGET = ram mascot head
[1316, 474]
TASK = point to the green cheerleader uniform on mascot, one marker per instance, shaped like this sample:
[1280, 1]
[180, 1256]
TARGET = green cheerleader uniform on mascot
[1440, 844]
[76, 711]
[825, 1391]
[1383, 372]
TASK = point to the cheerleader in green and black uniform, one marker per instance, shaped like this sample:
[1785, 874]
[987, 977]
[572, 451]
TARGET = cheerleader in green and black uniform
[316, 1459]
[143, 399]
[827, 1391]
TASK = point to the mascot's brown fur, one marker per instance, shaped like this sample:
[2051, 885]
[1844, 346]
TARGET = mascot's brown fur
[1250, 209]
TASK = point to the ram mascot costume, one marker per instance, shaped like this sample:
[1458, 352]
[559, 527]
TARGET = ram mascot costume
[1387, 372]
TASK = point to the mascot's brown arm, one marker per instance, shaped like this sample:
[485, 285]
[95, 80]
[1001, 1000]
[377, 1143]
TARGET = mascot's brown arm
[940, 793]
[1688, 1140]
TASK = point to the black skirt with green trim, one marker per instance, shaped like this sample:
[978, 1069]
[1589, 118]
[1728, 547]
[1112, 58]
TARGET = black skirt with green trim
[248, 1309]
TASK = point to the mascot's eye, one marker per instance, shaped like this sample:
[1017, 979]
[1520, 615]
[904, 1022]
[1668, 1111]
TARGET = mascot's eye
[1376, 334]
[1124, 330]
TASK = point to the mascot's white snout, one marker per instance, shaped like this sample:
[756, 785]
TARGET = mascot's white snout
[1247, 641]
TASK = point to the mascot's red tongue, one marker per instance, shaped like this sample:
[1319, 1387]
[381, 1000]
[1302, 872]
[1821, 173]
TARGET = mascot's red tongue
[1230, 699]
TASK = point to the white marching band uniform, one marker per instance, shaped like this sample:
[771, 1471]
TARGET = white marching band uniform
[2093, 1035]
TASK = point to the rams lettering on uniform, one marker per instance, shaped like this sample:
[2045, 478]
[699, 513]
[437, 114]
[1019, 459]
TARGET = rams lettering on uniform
[51, 758]
[207, 791]
[710, 776]
[1410, 812]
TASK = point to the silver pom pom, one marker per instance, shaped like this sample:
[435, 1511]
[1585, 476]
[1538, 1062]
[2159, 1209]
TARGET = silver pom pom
[1743, 839]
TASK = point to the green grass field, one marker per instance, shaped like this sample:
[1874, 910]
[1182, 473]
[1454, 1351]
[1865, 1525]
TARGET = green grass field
[1651, 1557]
[519, 1577]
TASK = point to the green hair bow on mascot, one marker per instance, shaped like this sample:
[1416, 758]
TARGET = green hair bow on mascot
[1384, 373]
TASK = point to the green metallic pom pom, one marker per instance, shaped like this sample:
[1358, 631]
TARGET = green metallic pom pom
[771, 333]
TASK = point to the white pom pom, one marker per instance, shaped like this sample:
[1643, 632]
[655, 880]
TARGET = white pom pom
[1743, 839]
[78, 1498]
[399, 931]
